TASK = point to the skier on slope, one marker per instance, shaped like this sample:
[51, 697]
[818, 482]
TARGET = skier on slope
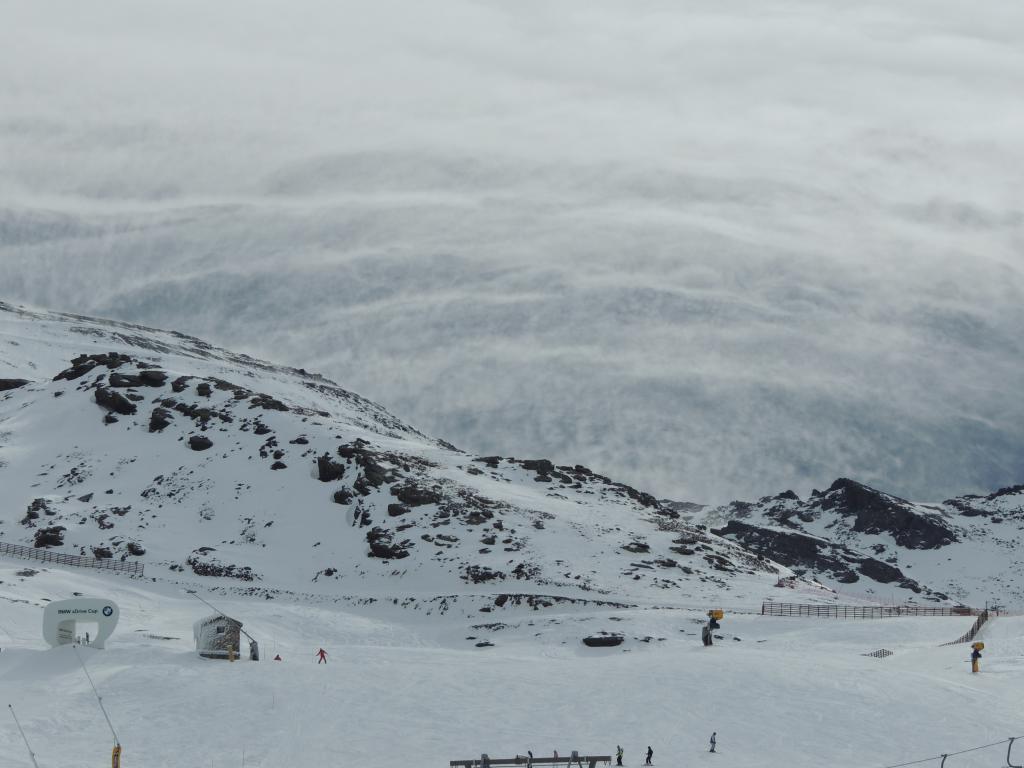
[714, 741]
[618, 755]
[975, 658]
[321, 656]
[650, 754]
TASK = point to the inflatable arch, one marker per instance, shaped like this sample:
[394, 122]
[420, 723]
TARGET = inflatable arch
[61, 617]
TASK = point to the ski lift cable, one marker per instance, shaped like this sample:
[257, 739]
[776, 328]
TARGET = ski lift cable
[954, 754]
[24, 738]
[99, 698]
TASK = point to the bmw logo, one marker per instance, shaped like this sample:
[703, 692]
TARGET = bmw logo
[107, 610]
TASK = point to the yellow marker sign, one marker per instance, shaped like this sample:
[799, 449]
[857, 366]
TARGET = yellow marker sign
[716, 614]
[978, 646]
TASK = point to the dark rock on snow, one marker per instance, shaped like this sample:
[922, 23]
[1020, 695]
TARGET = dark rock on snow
[159, 419]
[603, 641]
[114, 401]
[200, 443]
[50, 537]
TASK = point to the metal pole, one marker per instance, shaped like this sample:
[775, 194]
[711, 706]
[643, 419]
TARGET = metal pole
[31, 754]
[99, 698]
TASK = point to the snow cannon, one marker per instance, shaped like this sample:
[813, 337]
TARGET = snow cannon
[976, 656]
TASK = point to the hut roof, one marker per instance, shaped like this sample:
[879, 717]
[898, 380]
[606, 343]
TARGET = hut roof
[216, 618]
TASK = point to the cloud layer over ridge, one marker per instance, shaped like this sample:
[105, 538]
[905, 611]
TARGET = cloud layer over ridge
[714, 249]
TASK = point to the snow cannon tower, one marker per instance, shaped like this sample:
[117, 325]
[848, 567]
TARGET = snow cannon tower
[218, 637]
[714, 616]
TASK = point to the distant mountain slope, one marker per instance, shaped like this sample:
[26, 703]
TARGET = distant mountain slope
[128, 442]
[966, 548]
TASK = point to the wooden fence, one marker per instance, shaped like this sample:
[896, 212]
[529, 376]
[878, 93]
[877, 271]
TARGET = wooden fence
[78, 561]
[771, 608]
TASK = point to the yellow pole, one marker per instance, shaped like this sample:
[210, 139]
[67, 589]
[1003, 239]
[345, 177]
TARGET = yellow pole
[115, 757]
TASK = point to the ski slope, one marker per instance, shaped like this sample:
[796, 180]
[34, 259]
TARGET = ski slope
[403, 690]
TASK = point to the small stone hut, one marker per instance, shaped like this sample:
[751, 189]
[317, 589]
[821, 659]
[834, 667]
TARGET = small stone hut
[217, 635]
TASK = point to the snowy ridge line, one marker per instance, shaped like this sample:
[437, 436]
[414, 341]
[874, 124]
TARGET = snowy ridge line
[946, 755]
[46, 556]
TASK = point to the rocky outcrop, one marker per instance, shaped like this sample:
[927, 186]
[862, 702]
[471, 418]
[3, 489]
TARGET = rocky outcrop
[159, 419]
[200, 443]
[49, 537]
[203, 563]
[875, 512]
[343, 496]
[145, 378]
[35, 509]
[114, 401]
[603, 641]
[329, 470]
[383, 546]
[479, 574]
[82, 364]
[1006, 502]
[9, 384]
[807, 554]
[414, 495]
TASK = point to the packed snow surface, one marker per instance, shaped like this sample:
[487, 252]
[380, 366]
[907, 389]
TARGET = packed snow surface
[401, 691]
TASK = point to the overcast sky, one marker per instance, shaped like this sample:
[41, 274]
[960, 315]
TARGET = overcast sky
[715, 249]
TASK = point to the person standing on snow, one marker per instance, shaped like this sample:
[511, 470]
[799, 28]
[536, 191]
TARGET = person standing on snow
[321, 656]
[618, 755]
[975, 658]
[714, 741]
[650, 754]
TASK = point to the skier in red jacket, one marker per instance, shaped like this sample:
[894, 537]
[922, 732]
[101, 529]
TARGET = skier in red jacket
[322, 656]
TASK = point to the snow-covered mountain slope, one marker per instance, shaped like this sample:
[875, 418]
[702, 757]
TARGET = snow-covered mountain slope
[131, 443]
[966, 548]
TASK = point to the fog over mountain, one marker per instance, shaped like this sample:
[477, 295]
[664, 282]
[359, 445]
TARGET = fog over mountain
[714, 250]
